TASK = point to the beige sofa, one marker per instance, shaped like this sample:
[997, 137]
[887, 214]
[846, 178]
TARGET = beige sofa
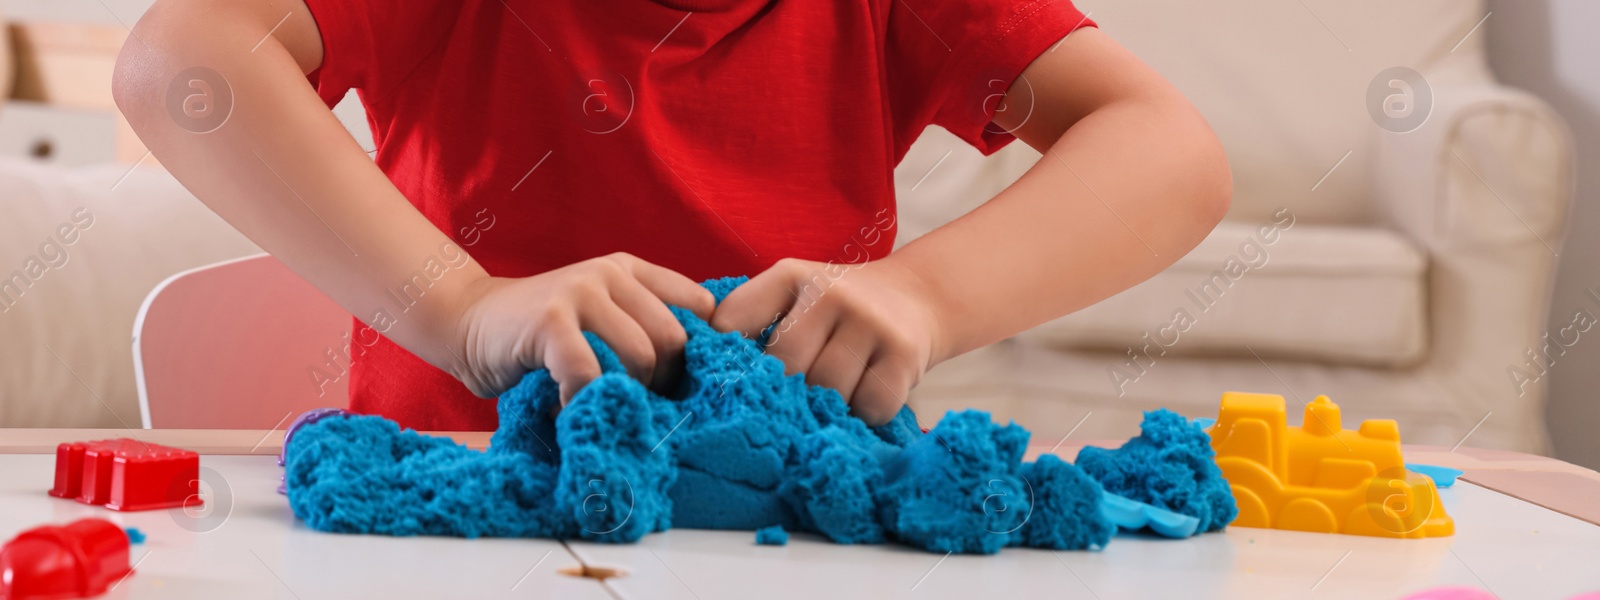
[102, 237]
[1404, 274]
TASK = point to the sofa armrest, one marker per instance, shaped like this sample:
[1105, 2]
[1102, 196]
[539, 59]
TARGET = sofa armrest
[1492, 166]
[1484, 187]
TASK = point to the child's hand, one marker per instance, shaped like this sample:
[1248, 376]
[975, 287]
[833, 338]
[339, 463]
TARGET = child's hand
[868, 330]
[509, 327]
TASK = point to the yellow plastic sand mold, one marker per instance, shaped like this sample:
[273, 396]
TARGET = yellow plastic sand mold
[1320, 477]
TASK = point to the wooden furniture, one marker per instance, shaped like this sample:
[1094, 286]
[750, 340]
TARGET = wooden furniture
[63, 80]
[245, 543]
[70, 137]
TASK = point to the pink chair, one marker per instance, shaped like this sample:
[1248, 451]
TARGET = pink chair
[234, 345]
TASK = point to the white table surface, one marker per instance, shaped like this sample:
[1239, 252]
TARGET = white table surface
[1514, 549]
[257, 550]
[247, 544]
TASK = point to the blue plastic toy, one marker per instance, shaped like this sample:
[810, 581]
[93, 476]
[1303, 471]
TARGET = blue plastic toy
[1442, 476]
[1134, 516]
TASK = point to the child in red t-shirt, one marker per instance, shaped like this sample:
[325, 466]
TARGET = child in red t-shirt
[546, 167]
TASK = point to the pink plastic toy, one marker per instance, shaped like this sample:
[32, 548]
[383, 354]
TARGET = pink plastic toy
[1454, 592]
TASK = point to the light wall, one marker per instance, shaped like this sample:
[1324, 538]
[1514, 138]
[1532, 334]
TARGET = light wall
[1549, 47]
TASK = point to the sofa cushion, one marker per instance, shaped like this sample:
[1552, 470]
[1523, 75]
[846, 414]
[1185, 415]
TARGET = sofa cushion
[1333, 294]
[81, 248]
[1055, 393]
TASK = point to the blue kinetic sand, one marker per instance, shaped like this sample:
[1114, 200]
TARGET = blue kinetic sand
[135, 536]
[772, 536]
[1170, 466]
[736, 446]
[1442, 476]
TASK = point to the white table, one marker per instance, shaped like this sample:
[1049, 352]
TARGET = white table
[1512, 548]
[248, 545]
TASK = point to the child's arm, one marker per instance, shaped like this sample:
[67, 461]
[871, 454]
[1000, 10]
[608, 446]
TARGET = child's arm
[1132, 178]
[281, 169]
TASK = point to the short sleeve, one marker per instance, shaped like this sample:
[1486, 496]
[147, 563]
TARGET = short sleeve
[372, 45]
[950, 61]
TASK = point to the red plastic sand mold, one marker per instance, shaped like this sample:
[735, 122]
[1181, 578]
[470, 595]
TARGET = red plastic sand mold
[77, 560]
[127, 475]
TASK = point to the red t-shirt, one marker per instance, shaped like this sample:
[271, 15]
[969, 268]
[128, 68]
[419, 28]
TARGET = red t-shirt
[712, 137]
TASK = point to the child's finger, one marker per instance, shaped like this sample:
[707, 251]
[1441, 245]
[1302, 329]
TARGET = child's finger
[665, 332]
[842, 362]
[751, 307]
[882, 390]
[571, 362]
[799, 339]
[625, 337]
[670, 286]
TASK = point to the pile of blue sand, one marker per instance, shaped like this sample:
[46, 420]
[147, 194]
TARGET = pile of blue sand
[737, 446]
[772, 536]
[1169, 466]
